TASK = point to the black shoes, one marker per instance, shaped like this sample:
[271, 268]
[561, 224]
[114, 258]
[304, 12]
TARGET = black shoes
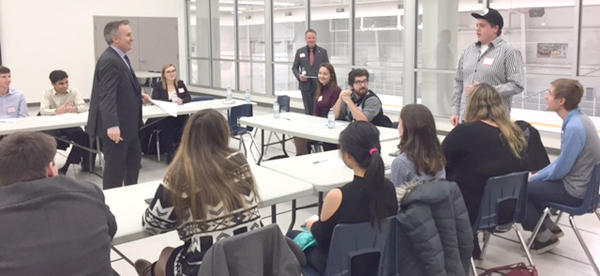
[540, 247]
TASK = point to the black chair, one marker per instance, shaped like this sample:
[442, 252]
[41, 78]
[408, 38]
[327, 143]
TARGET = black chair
[589, 205]
[202, 98]
[503, 203]
[238, 131]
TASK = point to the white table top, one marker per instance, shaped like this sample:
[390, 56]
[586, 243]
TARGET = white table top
[41, 123]
[308, 127]
[146, 74]
[128, 205]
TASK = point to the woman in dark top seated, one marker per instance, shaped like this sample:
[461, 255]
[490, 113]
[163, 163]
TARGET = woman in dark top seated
[487, 145]
[171, 127]
[369, 197]
[327, 94]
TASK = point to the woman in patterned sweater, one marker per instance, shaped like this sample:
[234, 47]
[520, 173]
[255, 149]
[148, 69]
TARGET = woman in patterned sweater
[208, 194]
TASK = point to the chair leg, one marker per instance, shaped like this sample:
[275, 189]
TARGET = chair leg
[537, 227]
[522, 241]
[486, 239]
[473, 268]
[598, 213]
[242, 143]
[158, 146]
[585, 248]
[558, 217]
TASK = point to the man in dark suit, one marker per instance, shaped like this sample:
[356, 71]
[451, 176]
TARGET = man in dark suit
[116, 108]
[306, 69]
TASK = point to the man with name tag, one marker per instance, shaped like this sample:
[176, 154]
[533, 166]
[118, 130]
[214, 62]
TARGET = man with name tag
[306, 68]
[62, 99]
[116, 108]
[12, 101]
[489, 60]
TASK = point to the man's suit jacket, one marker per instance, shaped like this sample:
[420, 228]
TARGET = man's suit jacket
[158, 93]
[115, 100]
[302, 60]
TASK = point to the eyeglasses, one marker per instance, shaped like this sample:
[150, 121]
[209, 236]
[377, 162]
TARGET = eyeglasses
[170, 71]
[359, 83]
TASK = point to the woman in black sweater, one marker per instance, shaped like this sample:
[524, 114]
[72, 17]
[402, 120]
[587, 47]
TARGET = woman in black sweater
[369, 197]
[171, 127]
[487, 145]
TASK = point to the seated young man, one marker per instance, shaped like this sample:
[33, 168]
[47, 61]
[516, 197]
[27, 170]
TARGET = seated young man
[12, 101]
[565, 181]
[51, 225]
[359, 103]
[61, 99]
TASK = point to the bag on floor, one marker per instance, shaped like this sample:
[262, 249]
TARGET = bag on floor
[519, 269]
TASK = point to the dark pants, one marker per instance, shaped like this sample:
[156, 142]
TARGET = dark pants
[538, 194]
[171, 129]
[308, 99]
[122, 162]
[316, 256]
[77, 154]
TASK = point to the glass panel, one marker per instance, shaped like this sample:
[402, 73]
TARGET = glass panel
[331, 21]
[251, 30]
[199, 72]
[590, 36]
[442, 34]
[252, 76]
[198, 30]
[435, 90]
[378, 33]
[285, 81]
[223, 35]
[289, 25]
[224, 74]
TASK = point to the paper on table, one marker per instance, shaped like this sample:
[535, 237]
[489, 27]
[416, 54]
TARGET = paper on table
[331, 163]
[12, 120]
[338, 124]
[49, 118]
[169, 107]
[67, 115]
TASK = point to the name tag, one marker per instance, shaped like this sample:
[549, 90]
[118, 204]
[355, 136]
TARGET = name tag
[488, 61]
[11, 110]
[302, 55]
[181, 90]
[320, 98]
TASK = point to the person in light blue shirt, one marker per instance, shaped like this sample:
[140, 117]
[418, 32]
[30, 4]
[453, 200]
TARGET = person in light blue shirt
[565, 181]
[12, 101]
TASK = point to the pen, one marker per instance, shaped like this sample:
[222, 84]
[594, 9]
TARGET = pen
[287, 118]
[121, 138]
[319, 161]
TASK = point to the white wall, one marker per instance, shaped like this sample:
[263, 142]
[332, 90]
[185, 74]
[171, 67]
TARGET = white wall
[39, 36]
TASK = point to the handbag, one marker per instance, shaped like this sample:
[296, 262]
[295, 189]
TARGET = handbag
[519, 269]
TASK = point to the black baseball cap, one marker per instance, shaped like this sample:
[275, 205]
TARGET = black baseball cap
[493, 16]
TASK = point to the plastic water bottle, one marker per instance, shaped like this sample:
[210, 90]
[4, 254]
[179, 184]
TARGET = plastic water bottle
[331, 119]
[248, 95]
[229, 95]
[175, 98]
[276, 110]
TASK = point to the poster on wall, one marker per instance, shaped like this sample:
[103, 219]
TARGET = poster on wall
[552, 50]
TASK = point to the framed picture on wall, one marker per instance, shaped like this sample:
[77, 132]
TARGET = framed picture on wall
[552, 50]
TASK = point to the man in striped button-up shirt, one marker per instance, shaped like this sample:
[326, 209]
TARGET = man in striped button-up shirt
[489, 60]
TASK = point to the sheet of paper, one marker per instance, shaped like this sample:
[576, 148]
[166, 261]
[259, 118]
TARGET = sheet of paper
[49, 118]
[169, 107]
[331, 163]
[11, 120]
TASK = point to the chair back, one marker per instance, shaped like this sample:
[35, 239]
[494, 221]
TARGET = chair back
[202, 98]
[503, 202]
[359, 249]
[236, 113]
[592, 199]
[284, 103]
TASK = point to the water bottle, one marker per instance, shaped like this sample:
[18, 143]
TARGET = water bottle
[248, 95]
[331, 119]
[229, 95]
[174, 98]
[303, 71]
[276, 110]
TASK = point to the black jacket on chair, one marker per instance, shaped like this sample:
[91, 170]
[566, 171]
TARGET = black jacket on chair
[158, 93]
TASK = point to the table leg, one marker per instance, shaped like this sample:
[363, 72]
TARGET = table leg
[283, 144]
[100, 156]
[273, 214]
[262, 146]
[320, 202]
[293, 216]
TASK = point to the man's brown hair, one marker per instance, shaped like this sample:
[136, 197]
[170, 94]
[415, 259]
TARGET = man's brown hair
[24, 156]
[570, 90]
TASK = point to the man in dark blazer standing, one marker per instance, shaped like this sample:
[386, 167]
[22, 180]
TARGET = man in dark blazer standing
[306, 69]
[116, 108]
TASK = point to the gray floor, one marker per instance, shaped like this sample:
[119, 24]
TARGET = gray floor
[567, 259]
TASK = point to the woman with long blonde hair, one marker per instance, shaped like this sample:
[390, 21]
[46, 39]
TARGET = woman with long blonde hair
[208, 194]
[488, 144]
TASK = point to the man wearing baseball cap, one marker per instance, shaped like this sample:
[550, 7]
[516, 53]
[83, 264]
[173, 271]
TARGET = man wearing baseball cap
[489, 60]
